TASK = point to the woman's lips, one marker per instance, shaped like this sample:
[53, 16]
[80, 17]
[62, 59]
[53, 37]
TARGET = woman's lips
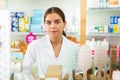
[53, 31]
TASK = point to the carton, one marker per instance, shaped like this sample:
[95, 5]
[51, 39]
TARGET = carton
[113, 56]
[54, 72]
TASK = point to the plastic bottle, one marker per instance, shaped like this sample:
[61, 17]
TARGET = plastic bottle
[93, 66]
[105, 45]
[118, 56]
[93, 45]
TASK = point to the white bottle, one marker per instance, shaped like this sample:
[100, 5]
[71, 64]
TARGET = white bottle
[93, 44]
[105, 44]
[106, 29]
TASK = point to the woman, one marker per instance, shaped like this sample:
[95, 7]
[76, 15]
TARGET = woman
[52, 49]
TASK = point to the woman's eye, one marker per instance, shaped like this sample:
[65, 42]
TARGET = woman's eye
[57, 21]
[48, 22]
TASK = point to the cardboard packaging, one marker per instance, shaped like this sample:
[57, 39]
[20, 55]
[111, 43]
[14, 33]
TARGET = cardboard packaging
[54, 72]
[113, 56]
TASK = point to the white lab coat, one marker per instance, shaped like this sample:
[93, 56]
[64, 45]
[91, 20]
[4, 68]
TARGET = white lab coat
[41, 52]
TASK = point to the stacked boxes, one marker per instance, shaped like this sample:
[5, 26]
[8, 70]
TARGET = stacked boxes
[19, 23]
[22, 23]
[114, 24]
[36, 21]
[14, 22]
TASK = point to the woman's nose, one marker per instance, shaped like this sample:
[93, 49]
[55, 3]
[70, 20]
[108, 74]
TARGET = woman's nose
[53, 25]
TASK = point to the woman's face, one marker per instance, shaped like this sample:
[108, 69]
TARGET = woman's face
[54, 25]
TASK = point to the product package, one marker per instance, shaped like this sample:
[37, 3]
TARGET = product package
[54, 72]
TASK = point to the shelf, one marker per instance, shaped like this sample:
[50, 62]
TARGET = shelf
[72, 33]
[25, 33]
[104, 9]
[104, 34]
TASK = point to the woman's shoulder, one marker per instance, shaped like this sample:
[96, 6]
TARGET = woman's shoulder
[69, 42]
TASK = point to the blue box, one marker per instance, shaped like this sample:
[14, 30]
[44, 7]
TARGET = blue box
[36, 20]
[111, 19]
[35, 28]
[20, 14]
[116, 19]
[38, 12]
[17, 56]
[14, 29]
[13, 14]
[14, 19]
[111, 29]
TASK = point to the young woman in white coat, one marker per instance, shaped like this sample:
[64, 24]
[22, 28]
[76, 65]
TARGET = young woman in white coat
[52, 49]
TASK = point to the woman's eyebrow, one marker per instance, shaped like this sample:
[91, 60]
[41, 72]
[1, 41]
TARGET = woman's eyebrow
[54, 20]
[58, 19]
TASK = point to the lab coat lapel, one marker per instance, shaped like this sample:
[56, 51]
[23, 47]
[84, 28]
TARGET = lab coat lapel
[50, 50]
[62, 51]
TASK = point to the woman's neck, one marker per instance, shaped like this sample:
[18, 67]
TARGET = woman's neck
[55, 41]
[56, 44]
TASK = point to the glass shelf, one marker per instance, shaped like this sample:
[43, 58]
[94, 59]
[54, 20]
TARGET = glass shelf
[25, 33]
[104, 34]
[104, 9]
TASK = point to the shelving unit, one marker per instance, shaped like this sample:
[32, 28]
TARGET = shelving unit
[13, 5]
[101, 16]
